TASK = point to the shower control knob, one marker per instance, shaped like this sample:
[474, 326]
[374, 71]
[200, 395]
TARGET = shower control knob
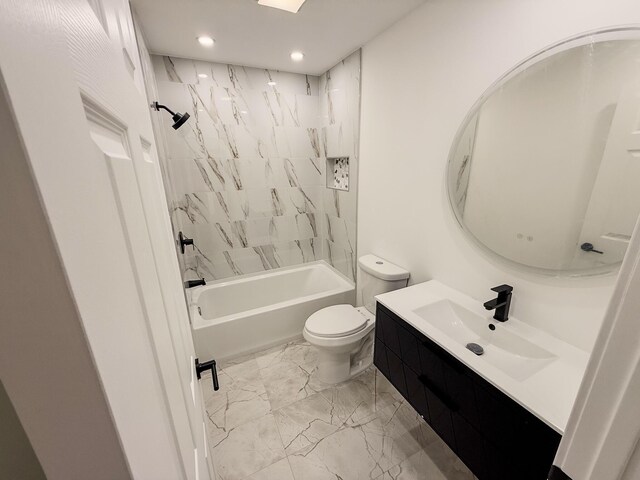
[184, 241]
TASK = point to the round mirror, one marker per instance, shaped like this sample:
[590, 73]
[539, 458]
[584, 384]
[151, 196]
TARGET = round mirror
[545, 170]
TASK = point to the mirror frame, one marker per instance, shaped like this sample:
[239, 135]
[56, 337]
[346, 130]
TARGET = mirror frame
[624, 32]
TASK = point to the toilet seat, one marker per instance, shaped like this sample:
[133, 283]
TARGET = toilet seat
[336, 321]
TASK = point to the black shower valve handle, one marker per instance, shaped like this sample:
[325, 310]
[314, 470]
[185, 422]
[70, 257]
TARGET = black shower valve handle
[184, 241]
[588, 247]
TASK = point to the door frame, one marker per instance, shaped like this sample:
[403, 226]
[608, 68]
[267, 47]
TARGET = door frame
[602, 438]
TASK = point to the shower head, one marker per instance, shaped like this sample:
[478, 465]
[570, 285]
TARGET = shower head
[179, 119]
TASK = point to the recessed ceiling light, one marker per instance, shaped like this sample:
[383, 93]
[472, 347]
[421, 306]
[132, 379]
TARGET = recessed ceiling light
[244, 111]
[297, 56]
[289, 5]
[206, 41]
[203, 75]
[273, 84]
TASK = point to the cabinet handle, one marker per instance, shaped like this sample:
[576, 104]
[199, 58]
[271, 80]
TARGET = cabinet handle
[448, 402]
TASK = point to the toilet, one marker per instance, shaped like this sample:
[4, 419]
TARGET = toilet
[343, 334]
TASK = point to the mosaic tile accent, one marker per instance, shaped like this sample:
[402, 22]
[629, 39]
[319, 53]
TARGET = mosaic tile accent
[338, 173]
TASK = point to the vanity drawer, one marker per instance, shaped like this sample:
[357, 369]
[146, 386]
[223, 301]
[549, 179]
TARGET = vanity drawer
[431, 366]
[497, 415]
[396, 372]
[390, 365]
[470, 446]
[416, 394]
[440, 410]
[387, 327]
[451, 377]
[409, 349]
[534, 436]
[516, 432]
[500, 465]
[380, 357]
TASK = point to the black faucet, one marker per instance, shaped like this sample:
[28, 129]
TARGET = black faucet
[194, 283]
[502, 303]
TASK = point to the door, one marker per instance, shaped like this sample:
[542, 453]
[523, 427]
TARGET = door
[72, 72]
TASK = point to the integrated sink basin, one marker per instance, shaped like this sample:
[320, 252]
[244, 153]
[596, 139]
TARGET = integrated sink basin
[514, 355]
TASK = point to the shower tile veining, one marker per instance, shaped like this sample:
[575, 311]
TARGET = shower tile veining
[272, 419]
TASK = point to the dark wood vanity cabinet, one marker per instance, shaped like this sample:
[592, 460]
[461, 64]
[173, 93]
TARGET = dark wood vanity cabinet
[493, 435]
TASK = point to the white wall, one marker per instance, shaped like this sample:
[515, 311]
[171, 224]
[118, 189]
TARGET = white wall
[420, 78]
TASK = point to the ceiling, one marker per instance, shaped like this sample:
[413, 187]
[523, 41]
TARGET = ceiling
[249, 34]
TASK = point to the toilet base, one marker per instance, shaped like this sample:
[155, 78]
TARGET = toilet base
[335, 366]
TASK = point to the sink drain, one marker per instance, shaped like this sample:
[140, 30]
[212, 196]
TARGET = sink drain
[475, 348]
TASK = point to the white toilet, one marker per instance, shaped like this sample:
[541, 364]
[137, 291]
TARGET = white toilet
[343, 334]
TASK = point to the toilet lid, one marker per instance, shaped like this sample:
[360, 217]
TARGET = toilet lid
[336, 321]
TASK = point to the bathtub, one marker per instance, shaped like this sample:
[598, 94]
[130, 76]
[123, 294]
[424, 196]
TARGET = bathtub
[244, 314]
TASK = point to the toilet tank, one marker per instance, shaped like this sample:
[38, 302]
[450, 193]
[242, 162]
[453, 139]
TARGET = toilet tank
[379, 276]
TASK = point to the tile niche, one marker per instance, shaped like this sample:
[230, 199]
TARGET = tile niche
[338, 173]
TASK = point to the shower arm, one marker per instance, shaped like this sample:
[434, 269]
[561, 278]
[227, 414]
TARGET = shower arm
[156, 106]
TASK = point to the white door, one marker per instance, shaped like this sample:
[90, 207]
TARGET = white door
[86, 125]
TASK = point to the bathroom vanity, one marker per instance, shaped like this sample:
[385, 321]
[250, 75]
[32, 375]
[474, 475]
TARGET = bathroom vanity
[503, 413]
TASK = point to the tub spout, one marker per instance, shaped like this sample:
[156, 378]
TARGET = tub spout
[194, 283]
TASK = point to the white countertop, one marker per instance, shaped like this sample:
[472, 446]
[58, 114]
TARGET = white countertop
[549, 393]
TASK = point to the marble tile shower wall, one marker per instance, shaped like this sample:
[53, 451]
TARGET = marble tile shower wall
[340, 133]
[248, 169]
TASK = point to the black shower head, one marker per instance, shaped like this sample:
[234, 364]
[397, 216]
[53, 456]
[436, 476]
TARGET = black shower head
[179, 119]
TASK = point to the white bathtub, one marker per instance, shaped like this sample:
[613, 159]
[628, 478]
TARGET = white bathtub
[241, 315]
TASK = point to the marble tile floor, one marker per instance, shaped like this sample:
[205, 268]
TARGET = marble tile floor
[273, 420]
